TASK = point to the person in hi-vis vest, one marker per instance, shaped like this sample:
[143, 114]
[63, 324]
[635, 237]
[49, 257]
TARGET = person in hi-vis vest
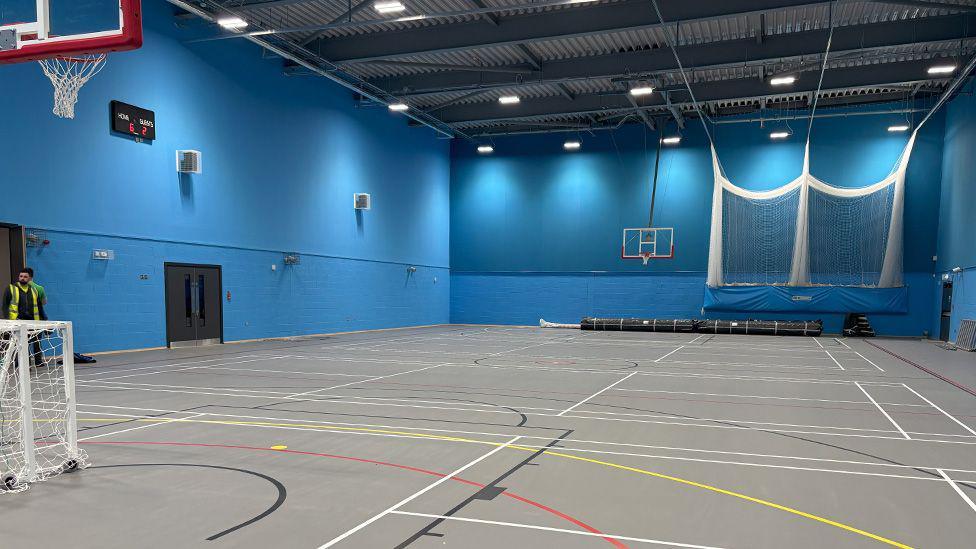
[21, 302]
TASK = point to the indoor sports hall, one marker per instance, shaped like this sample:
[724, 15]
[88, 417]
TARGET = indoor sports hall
[487, 274]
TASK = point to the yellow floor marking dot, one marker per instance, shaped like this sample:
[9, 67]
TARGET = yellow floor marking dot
[279, 447]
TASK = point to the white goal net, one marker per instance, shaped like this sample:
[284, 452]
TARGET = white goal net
[38, 419]
[807, 232]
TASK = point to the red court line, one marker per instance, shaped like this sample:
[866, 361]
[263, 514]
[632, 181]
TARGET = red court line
[616, 543]
[923, 368]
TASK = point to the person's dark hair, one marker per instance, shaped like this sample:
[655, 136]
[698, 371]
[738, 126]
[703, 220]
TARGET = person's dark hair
[29, 271]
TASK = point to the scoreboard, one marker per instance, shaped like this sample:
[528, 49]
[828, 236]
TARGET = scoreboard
[134, 121]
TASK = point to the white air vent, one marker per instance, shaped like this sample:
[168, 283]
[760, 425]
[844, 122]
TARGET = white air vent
[966, 338]
[361, 201]
[189, 161]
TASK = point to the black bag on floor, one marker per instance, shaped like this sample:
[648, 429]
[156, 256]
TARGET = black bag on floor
[84, 359]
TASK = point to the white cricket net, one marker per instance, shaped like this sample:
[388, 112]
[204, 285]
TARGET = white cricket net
[68, 75]
[807, 232]
[37, 404]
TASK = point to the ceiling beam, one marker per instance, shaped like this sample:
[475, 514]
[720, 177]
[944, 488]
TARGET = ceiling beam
[345, 16]
[533, 27]
[252, 6]
[855, 38]
[849, 77]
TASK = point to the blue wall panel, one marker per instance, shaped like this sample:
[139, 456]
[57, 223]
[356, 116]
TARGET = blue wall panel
[957, 219]
[524, 298]
[110, 305]
[546, 225]
[282, 157]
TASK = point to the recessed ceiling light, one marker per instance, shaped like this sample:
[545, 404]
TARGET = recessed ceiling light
[486, 149]
[572, 145]
[398, 107]
[898, 128]
[232, 23]
[673, 140]
[942, 69]
[641, 90]
[391, 6]
[410, 18]
[508, 99]
[779, 135]
[782, 80]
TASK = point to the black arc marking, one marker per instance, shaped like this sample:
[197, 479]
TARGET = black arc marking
[282, 491]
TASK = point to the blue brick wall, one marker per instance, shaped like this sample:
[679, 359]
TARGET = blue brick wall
[112, 308]
[524, 298]
[282, 159]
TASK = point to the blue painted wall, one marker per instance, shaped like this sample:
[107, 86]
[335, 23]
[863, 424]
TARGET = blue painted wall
[957, 220]
[282, 159]
[545, 225]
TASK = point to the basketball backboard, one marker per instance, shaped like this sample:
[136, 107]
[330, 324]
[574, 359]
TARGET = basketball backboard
[646, 243]
[35, 30]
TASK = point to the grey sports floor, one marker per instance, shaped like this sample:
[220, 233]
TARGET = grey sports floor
[492, 437]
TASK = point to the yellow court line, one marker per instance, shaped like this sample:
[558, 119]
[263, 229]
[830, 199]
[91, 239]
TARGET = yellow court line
[679, 480]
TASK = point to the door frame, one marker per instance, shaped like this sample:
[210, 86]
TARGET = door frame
[220, 294]
[18, 248]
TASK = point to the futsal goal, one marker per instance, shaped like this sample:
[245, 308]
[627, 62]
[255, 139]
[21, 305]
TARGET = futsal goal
[38, 417]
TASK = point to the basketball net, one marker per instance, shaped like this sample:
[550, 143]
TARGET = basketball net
[68, 75]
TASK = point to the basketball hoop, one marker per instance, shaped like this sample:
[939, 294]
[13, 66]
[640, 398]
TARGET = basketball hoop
[68, 75]
[645, 257]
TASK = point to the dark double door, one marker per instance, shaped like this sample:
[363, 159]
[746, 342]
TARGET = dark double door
[193, 306]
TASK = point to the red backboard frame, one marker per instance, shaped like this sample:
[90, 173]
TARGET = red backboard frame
[127, 37]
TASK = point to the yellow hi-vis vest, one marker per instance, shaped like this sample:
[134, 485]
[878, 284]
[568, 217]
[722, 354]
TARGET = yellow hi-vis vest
[14, 311]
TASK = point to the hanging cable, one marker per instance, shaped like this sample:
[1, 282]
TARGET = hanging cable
[672, 41]
[823, 69]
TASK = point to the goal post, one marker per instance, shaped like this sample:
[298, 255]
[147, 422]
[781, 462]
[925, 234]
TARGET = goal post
[38, 414]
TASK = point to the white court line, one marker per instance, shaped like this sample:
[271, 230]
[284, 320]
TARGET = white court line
[751, 396]
[419, 493]
[834, 359]
[893, 422]
[842, 343]
[170, 369]
[549, 529]
[758, 425]
[869, 362]
[120, 370]
[947, 414]
[818, 343]
[363, 381]
[958, 490]
[455, 432]
[669, 354]
[696, 339]
[598, 393]
[162, 421]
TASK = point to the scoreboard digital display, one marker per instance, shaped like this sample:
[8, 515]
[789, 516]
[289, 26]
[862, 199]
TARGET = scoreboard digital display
[134, 121]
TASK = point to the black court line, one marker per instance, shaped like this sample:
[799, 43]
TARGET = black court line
[282, 491]
[490, 491]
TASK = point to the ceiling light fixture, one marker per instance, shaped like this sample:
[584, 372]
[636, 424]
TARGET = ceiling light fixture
[782, 80]
[898, 128]
[508, 99]
[942, 69]
[572, 145]
[641, 90]
[486, 149]
[779, 135]
[398, 107]
[673, 140]
[232, 23]
[389, 7]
